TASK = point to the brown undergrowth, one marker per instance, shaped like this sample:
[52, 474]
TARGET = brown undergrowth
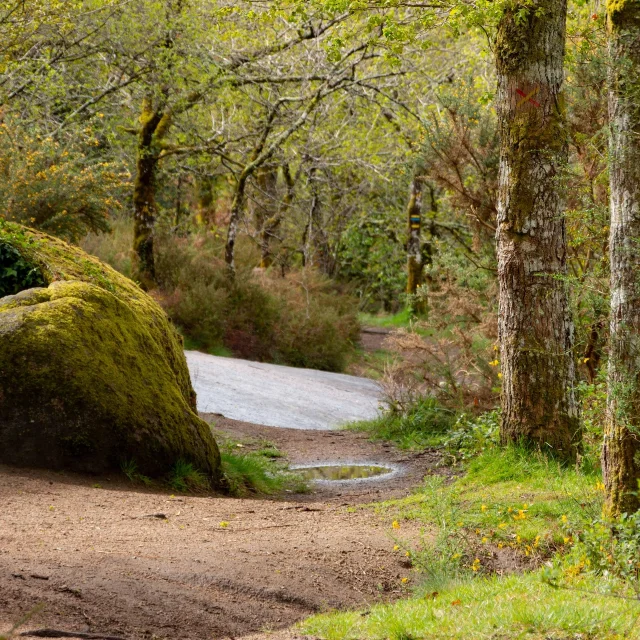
[450, 355]
[301, 318]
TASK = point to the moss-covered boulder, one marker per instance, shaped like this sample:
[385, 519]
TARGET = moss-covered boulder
[91, 372]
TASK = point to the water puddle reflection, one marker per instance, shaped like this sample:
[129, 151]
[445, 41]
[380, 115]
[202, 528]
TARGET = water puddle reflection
[335, 472]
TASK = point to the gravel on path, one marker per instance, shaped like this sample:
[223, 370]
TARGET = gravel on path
[278, 396]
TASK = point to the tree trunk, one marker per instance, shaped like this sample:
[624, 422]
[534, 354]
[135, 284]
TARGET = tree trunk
[316, 247]
[178, 213]
[267, 212]
[414, 250]
[237, 207]
[153, 126]
[621, 452]
[310, 240]
[535, 328]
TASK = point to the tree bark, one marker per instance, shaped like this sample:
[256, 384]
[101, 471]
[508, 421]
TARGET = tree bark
[144, 199]
[621, 451]
[535, 328]
[237, 207]
[316, 251]
[414, 225]
[269, 211]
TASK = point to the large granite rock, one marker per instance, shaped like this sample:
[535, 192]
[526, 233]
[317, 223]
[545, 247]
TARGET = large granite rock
[92, 374]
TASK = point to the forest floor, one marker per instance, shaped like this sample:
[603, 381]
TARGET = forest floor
[103, 556]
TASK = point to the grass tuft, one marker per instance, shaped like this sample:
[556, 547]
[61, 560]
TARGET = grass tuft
[422, 426]
[254, 473]
[184, 477]
[130, 469]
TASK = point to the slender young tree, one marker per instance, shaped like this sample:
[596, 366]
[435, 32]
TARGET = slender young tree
[414, 228]
[621, 452]
[535, 328]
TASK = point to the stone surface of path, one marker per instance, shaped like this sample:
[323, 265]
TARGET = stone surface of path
[278, 396]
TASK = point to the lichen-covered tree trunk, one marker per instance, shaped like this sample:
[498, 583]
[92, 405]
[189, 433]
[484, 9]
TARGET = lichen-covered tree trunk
[153, 126]
[621, 452]
[535, 327]
[414, 227]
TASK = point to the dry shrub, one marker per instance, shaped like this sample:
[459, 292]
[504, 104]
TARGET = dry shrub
[318, 327]
[114, 247]
[451, 356]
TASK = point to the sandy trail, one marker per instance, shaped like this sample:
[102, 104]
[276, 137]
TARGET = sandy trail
[85, 548]
[102, 556]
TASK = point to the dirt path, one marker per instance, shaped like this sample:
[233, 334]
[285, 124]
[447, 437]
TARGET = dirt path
[87, 549]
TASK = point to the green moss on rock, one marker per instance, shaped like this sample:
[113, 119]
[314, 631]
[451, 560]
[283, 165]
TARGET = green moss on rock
[91, 371]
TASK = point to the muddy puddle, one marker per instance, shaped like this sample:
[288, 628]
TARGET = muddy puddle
[341, 473]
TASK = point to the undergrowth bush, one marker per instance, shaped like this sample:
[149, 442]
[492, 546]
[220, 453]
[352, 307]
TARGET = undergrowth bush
[16, 274]
[605, 548]
[62, 189]
[451, 355]
[302, 319]
[469, 437]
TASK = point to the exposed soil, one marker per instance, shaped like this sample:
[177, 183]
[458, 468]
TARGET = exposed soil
[97, 555]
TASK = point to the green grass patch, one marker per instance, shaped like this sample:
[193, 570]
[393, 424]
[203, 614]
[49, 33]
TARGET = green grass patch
[499, 608]
[513, 504]
[509, 498]
[259, 471]
[512, 545]
[424, 425]
[185, 478]
[401, 319]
